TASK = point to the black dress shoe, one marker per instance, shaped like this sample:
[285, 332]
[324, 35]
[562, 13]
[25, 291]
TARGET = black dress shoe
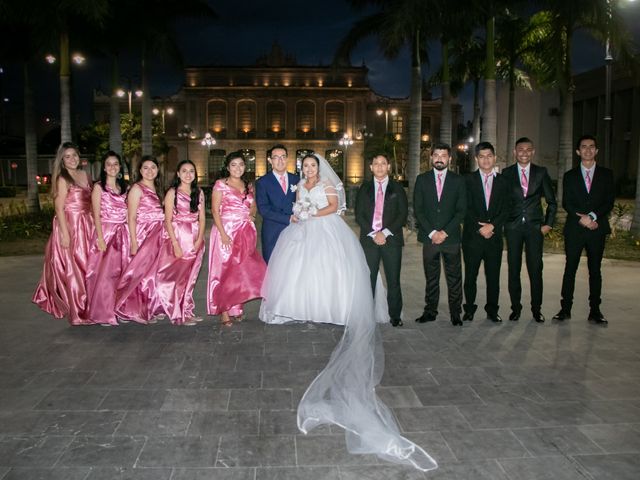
[396, 322]
[514, 316]
[494, 317]
[467, 317]
[538, 317]
[426, 317]
[597, 318]
[562, 315]
[455, 320]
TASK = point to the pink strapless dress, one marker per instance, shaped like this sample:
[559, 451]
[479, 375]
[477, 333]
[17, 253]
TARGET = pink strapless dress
[106, 267]
[236, 273]
[177, 276]
[62, 291]
[137, 295]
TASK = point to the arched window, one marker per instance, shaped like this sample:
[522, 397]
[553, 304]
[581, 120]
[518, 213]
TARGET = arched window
[249, 157]
[335, 157]
[246, 119]
[305, 119]
[217, 118]
[334, 119]
[276, 119]
[215, 162]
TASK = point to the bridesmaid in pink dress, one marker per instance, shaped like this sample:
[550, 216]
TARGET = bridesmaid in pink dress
[137, 297]
[236, 269]
[61, 290]
[109, 253]
[182, 251]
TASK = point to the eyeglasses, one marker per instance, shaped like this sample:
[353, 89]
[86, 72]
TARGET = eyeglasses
[278, 157]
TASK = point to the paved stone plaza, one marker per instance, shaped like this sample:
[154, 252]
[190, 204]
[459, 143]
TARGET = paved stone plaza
[516, 401]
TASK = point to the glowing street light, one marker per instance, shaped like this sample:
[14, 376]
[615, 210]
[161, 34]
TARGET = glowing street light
[129, 93]
[346, 141]
[162, 111]
[393, 112]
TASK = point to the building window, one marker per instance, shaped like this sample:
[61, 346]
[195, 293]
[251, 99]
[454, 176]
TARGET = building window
[217, 118]
[305, 119]
[334, 120]
[215, 163]
[276, 115]
[249, 157]
[246, 119]
[397, 124]
[335, 157]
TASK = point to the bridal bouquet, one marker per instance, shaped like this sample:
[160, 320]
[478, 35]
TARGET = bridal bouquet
[304, 208]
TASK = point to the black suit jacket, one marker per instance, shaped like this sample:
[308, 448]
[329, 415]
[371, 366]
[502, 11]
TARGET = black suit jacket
[576, 200]
[477, 208]
[447, 214]
[530, 208]
[394, 213]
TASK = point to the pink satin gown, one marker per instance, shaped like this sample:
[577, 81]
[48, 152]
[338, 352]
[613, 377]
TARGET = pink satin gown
[62, 291]
[106, 267]
[235, 273]
[137, 296]
[177, 277]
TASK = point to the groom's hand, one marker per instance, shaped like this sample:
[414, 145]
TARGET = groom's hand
[379, 238]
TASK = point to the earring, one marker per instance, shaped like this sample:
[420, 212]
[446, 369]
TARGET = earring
[119, 176]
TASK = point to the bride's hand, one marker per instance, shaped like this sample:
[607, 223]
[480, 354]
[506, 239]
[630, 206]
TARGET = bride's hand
[293, 219]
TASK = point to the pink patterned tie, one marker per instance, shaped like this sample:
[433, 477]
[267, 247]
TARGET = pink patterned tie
[283, 184]
[439, 186]
[377, 213]
[587, 179]
[487, 189]
[524, 182]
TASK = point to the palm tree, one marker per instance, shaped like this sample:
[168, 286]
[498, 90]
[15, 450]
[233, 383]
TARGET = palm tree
[399, 24]
[21, 20]
[555, 27]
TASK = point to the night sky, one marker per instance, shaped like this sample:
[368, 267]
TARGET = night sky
[245, 30]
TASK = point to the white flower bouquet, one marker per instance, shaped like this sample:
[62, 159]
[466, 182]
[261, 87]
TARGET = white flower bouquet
[304, 209]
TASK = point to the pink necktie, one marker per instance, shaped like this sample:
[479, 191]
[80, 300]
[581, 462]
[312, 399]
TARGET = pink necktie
[439, 186]
[587, 179]
[524, 183]
[377, 213]
[283, 184]
[487, 189]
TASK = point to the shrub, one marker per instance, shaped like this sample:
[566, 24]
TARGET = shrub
[24, 225]
[7, 192]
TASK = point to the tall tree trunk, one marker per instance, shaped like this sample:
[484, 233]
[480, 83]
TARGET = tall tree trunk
[65, 89]
[489, 114]
[475, 123]
[415, 120]
[30, 144]
[635, 224]
[146, 143]
[445, 114]
[115, 133]
[565, 142]
[511, 122]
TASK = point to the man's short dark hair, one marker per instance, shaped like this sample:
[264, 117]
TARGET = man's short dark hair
[586, 137]
[379, 155]
[484, 146]
[523, 140]
[280, 146]
[442, 146]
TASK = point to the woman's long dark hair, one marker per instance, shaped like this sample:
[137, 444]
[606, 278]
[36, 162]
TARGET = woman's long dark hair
[157, 183]
[120, 181]
[195, 190]
[224, 172]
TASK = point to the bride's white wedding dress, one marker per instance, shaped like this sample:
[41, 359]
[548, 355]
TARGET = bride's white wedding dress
[317, 270]
[318, 273]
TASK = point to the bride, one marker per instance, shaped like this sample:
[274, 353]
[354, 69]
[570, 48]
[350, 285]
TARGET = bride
[318, 273]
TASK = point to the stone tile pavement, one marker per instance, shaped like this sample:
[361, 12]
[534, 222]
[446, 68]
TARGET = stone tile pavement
[516, 401]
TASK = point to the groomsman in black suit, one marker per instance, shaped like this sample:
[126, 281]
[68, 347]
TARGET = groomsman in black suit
[381, 212]
[526, 224]
[588, 197]
[482, 233]
[440, 201]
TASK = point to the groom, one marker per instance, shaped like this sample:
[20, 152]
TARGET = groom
[381, 212]
[275, 199]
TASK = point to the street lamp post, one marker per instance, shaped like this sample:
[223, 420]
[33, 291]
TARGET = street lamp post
[129, 93]
[386, 112]
[346, 141]
[186, 132]
[162, 111]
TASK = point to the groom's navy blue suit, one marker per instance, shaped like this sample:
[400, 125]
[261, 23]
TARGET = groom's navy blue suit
[275, 207]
